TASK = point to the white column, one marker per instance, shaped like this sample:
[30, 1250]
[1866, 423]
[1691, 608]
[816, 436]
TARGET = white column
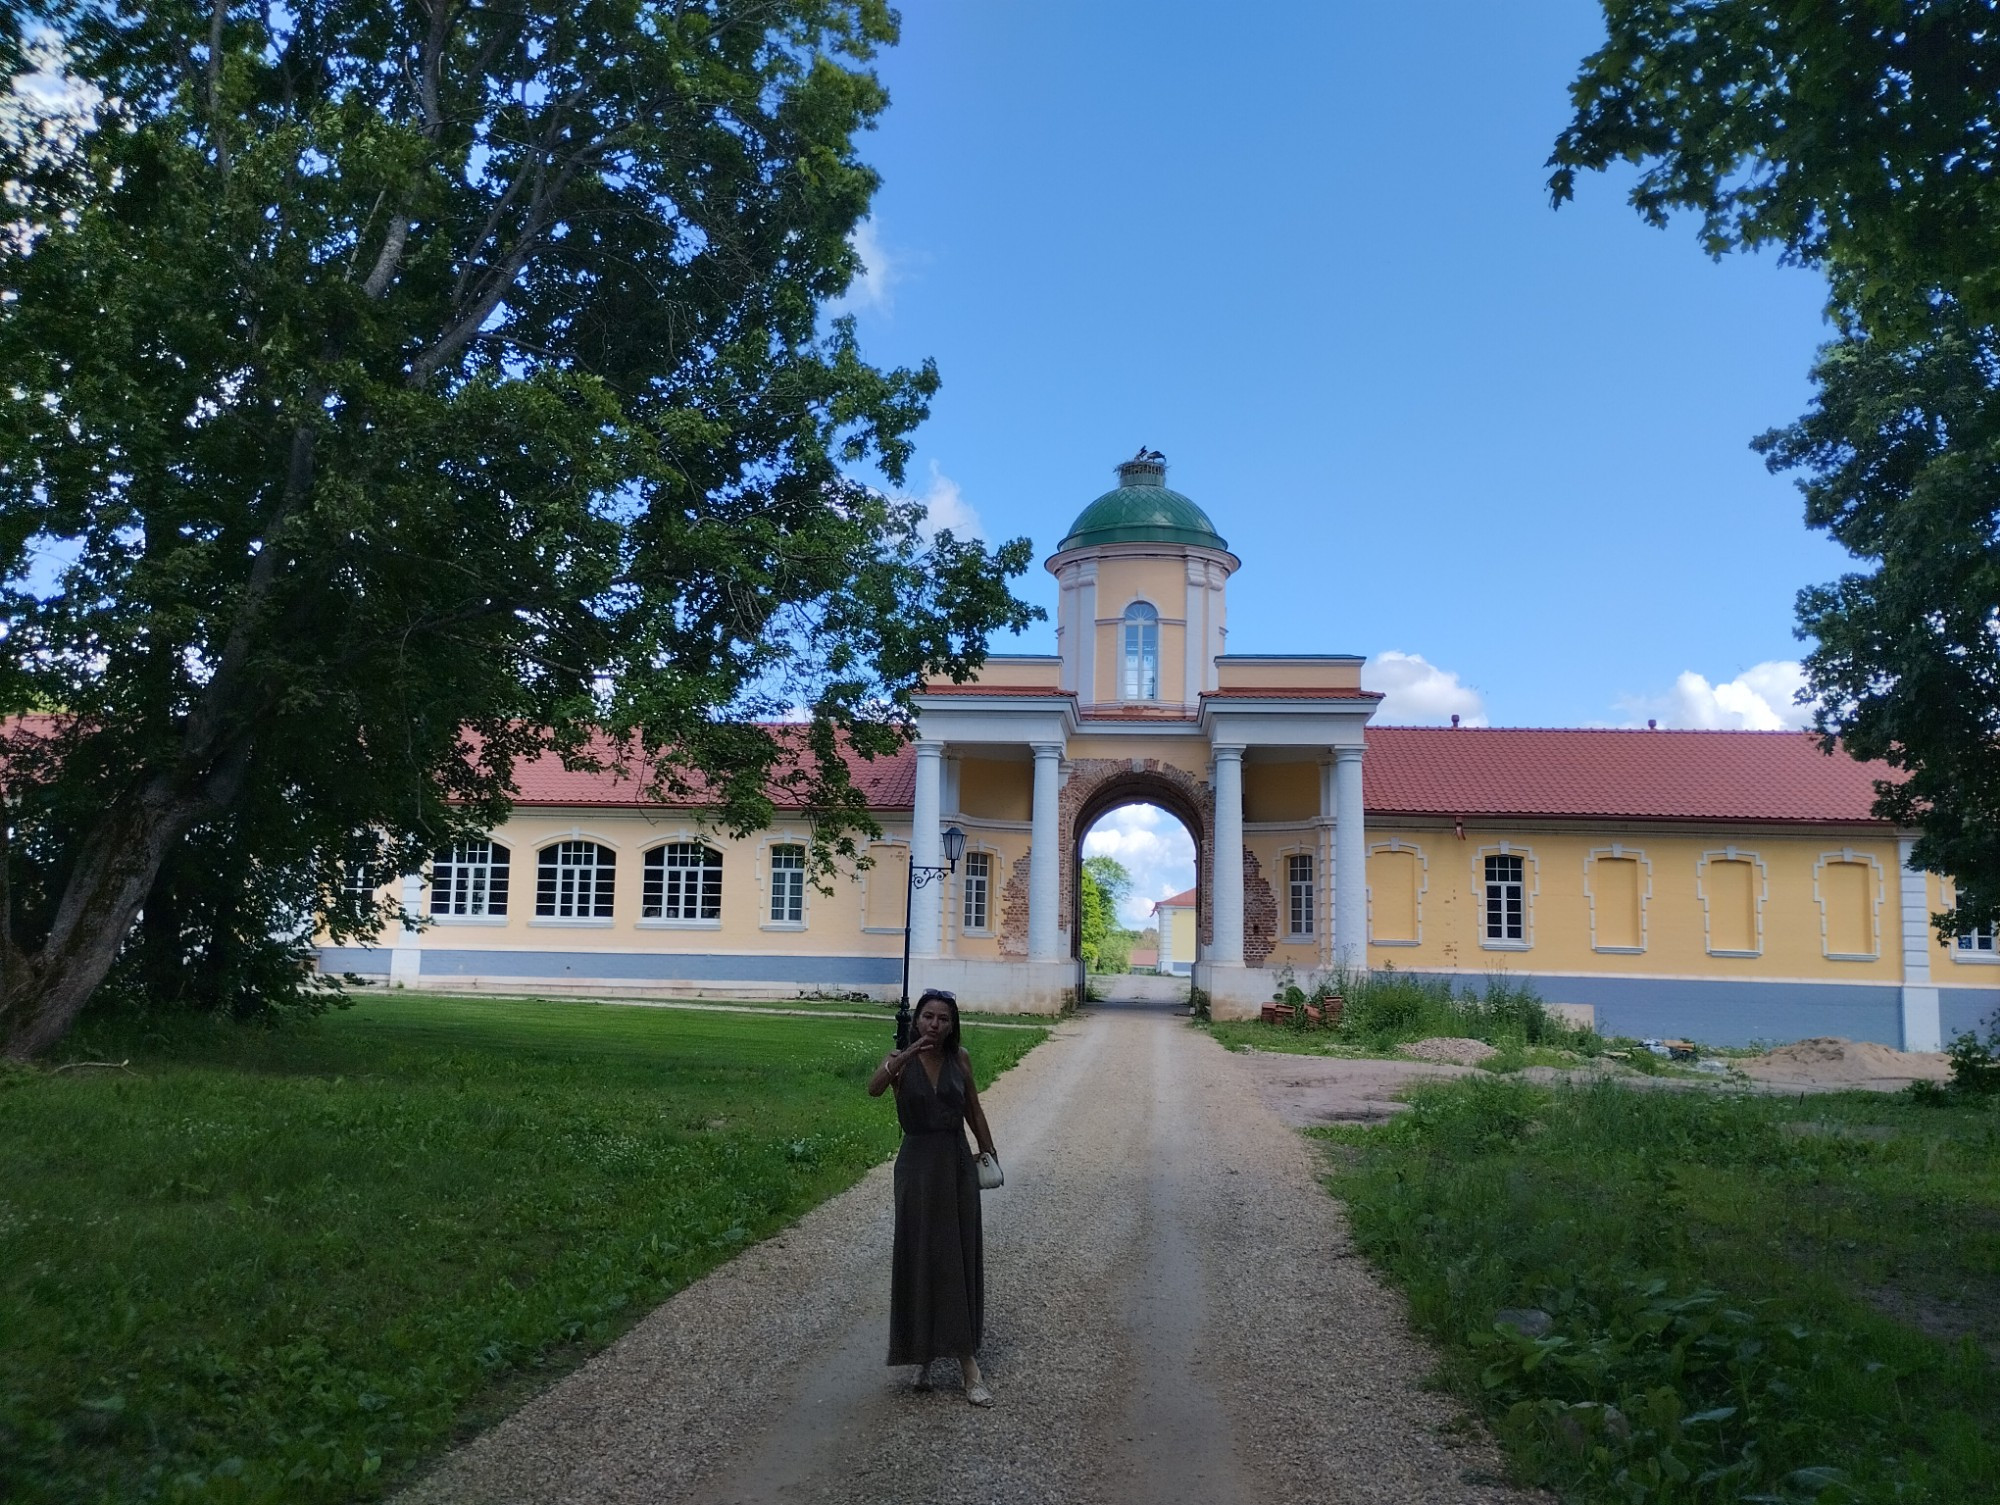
[1923, 1025]
[406, 959]
[1044, 861]
[1350, 863]
[1329, 884]
[1227, 905]
[924, 848]
[1218, 625]
[1194, 636]
[1086, 631]
[1067, 636]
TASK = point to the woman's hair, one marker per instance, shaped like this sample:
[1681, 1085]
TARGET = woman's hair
[949, 1044]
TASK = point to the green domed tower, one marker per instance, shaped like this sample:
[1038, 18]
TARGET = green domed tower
[1142, 574]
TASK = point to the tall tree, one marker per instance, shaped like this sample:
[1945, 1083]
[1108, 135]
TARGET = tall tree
[1101, 884]
[414, 386]
[1862, 138]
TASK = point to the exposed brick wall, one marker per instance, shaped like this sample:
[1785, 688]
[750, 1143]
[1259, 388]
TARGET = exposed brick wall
[1260, 912]
[1014, 909]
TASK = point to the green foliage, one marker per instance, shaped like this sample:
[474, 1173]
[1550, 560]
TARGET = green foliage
[1858, 140]
[1105, 947]
[1386, 1008]
[1975, 1063]
[415, 391]
[287, 1266]
[1677, 1297]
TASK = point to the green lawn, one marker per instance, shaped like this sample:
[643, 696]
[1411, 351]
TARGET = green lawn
[287, 1266]
[1748, 1298]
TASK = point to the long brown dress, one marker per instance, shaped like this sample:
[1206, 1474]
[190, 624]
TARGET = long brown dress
[937, 1284]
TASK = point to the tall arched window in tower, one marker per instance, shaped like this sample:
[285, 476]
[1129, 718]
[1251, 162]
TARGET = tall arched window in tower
[1142, 652]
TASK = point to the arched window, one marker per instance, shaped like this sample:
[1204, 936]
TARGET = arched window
[1142, 652]
[683, 881]
[573, 881]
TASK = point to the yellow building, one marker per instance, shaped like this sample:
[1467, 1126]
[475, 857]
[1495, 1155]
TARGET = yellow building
[1725, 885]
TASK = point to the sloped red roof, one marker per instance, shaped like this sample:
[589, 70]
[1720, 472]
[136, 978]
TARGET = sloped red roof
[1183, 900]
[888, 782]
[1652, 775]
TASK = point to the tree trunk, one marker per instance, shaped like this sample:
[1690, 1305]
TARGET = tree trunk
[48, 988]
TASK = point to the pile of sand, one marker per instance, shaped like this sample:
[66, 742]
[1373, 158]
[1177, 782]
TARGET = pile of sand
[1460, 1052]
[1830, 1061]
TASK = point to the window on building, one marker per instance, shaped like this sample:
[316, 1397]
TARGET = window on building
[1142, 652]
[1299, 888]
[1394, 874]
[358, 880]
[1978, 941]
[1506, 899]
[1730, 889]
[1847, 908]
[978, 890]
[788, 885]
[469, 880]
[573, 881]
[1615, 918]
[683, 881]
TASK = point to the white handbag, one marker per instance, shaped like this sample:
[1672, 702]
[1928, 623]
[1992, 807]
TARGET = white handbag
[989, 1172]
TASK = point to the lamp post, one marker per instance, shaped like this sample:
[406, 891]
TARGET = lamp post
[922, 875]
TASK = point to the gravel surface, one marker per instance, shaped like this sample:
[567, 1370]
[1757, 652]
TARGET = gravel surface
[1174, 1313]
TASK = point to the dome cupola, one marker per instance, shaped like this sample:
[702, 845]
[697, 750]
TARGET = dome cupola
[1143, 509]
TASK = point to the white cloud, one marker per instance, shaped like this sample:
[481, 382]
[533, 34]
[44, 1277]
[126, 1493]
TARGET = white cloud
[1760, 699]
[1419, 693]
[1155, 849]
[945, 506]
[873, 287]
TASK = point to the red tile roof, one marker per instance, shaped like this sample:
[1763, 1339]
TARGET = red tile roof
[1749, 776]
[1178, 901]
[1473, 771]
[889, 782]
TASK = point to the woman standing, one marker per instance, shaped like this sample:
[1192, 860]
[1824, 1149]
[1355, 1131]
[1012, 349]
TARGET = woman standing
[937, 1285]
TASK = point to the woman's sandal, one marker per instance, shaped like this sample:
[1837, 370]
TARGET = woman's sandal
[922, 1382]
[979, 1395]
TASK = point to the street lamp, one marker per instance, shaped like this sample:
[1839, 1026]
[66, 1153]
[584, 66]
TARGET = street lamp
[922, 875]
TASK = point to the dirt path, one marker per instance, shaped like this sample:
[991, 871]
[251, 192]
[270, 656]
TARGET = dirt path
[1174, 1314]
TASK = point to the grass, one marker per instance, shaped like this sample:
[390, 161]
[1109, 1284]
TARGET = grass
[1747, 1297]
[292, 1265]
[835, 1003]
[1386, 1009]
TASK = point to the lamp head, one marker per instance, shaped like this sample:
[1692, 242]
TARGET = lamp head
[954, 845]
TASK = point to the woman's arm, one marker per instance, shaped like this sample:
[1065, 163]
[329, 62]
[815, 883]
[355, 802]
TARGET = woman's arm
[974, 1113]
[892, 1068]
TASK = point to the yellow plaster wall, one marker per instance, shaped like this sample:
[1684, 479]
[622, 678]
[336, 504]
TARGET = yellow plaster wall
[1951, 967]
[1280, 791]
[1675, 932]
[1189, 753]
[1041, 674]
[1241, 672]
[996, 789]
[1177, 935]
[1160, 582]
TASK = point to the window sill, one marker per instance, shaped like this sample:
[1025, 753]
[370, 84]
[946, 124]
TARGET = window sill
[881, 929]
[794, 925]
[975, 935]
[1297, 940]
[680, 924]
[1741, 955]
[1506, 945]
[468, 919]
[1373, 942]
[1619, 950]
[1854, 956]
[1976, 958]
[557, 922]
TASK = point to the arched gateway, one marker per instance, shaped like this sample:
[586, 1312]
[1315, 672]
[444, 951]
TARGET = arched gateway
[1258, 756]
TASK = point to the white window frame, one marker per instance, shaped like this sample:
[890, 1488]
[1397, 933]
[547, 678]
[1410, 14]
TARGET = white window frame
[787, 886]
[1733, 853]
[1139, 652]
[981, 885]
[561, 857]
[1293, 886]
[1859, 859]
[1619, 852]
[473, 879]
[1530, 886]
[671, 885]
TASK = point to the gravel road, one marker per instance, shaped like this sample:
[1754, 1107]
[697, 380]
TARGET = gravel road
[1174, 1313]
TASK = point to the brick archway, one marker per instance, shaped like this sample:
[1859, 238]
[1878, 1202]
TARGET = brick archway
[1097, 786]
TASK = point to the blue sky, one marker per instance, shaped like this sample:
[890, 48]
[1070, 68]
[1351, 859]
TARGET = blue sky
[1307, 251]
